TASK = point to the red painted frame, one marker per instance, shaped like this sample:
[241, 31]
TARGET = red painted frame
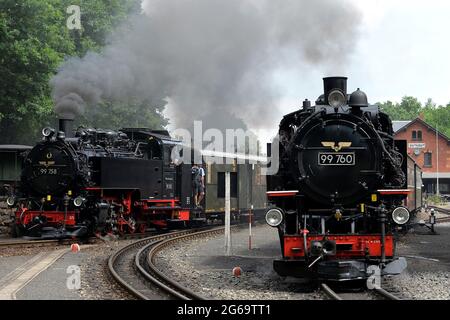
[293, 245]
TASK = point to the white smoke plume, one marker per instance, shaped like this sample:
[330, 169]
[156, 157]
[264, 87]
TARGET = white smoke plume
[210, 57]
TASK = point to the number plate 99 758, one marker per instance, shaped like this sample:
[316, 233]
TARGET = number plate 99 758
[336, 158]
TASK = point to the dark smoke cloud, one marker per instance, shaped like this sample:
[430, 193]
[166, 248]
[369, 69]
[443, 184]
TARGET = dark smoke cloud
[211, 58]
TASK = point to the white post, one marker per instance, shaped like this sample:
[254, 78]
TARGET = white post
[227, 215]
[250, 216]
[437, 160]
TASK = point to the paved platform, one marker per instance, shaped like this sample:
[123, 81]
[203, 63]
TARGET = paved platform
[425, 251]
[41, 275]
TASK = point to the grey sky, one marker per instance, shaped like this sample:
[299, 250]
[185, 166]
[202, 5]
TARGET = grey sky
[403, 49]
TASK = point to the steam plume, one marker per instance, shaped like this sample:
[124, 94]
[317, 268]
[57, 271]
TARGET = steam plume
[210, 57]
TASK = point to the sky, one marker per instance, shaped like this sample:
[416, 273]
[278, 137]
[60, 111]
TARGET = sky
[403, 49]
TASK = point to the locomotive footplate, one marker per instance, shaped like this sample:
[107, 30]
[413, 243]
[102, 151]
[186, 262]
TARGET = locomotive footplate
[292, 268]
[335, 270]
[341, 270]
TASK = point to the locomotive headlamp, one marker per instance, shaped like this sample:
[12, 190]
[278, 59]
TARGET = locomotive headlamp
[400, 215]
[78, 201]
[48, 132]
[11, 201]
[274, 217]
[336, 99]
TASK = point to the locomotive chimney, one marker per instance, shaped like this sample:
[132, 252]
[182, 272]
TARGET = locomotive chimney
[65, 125]
[306, 104]
[331, 83]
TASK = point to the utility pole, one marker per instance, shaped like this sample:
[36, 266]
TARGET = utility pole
[250, 213]
[437, 160]
[227, 214]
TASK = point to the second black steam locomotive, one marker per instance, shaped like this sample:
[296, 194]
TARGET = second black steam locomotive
[101, 181]
[339, 194]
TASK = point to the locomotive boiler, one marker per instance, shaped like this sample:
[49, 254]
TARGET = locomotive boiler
[338, 197]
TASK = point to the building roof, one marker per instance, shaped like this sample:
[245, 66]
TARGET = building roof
[397, 125]
[418, 120]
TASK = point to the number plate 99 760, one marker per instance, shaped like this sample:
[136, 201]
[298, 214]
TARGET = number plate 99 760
[336, 158]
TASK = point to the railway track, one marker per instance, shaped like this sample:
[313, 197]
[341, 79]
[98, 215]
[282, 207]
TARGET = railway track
[442, 210]
[375, 294]
[133, 267]
[21, 243]
[41, 243]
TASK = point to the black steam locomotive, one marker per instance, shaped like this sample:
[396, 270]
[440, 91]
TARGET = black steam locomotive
[100, 181]
[339, 193]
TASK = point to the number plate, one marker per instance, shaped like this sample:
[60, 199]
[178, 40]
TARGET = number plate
[336, 158]
[46, 171]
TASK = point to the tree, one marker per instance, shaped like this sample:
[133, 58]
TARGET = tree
[438, 116]
[31, 47]
[34, 41]
[408, 109]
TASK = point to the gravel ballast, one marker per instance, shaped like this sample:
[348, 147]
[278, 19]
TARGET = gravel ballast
[201, 265]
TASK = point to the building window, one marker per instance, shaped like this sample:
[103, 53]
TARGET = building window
[427, 159]
[221, 185]
[419, 135]
[414, 135]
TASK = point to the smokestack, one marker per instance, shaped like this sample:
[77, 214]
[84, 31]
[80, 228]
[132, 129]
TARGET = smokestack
[306, 104]
[331, 83]
[65, 125]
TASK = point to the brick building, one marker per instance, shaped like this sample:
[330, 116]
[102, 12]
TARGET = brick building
[422, 142]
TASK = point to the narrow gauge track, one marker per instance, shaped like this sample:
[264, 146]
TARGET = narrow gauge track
[21, 243]
[133, 266]
[42, 243]
[442, 210]
[375, 294]
[441, 220]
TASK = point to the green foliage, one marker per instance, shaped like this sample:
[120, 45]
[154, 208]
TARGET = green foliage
[31, 47]
[435, 199]
[407, 109]
[410, 108]
[34, 41]
[98, 19]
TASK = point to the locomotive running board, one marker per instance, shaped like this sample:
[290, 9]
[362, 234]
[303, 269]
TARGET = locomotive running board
[287, 193]
[335, 270]
[394, 191]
